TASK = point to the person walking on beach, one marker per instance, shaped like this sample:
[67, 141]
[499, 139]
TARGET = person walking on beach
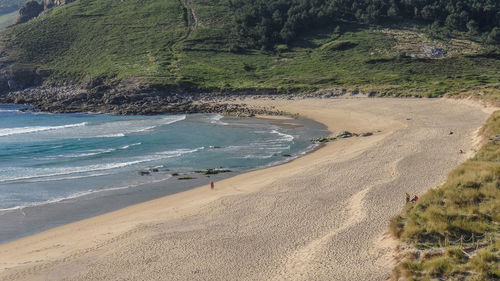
[415, 198]
[212, 185]
[407, 195]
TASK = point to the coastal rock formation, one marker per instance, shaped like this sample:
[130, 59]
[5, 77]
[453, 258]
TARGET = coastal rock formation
[29, 11]
[121, 98]
[16, 78]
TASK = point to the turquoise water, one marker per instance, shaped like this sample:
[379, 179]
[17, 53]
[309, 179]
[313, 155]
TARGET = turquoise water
[47, 158]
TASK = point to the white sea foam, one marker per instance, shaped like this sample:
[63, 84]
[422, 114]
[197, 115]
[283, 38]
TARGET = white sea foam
[100, 167]
[65, 178]
[121, 128]
[130, 145]
[145, 129]
[119, 135]
[255, 156]
[284, 137]
[26, 130]
[93, 152]
[79, 194]
[215, 119]
[90, 153]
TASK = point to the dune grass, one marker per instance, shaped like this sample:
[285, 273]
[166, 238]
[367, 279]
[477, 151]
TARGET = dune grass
[463, 211]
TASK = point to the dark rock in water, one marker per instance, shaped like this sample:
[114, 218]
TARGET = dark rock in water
[143, 173]
[154, 170]
[24, 109]
[175, 174]
[215, 171]
[287, 155]
[344, 134]
[29, 11]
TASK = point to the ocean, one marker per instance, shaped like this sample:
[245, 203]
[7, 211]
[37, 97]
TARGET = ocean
[49, 159]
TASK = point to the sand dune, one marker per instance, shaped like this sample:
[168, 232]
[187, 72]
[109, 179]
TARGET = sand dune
[320, 217]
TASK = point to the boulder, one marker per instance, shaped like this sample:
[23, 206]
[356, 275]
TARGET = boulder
[29, 11]
[143, 173]
[47, 4]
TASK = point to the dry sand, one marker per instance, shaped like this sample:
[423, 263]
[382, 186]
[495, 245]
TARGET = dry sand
[320, 217]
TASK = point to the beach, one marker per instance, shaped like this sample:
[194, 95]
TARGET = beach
[323, 216]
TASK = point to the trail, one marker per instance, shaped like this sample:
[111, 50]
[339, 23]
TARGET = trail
[191, 18]
[191, 22]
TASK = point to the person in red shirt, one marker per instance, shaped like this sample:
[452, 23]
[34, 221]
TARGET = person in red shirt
[415, 198]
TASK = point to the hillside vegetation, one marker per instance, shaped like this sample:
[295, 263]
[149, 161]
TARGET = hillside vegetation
[268, 22]
[195, 45]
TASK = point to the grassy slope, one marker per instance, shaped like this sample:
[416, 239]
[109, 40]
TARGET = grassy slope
[149, 39]
[467, 204]
[100, 38]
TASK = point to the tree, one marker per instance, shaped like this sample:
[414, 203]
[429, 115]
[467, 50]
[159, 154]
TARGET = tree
[494, 36]
[473, 27]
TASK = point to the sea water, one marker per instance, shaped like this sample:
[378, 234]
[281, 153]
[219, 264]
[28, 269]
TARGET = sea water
[48, 158]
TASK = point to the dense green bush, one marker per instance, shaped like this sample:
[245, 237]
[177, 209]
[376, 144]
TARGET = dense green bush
[265, 23]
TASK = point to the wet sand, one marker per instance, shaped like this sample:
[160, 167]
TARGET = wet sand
[320, 217]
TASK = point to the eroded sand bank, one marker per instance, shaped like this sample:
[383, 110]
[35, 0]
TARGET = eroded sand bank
[320, 217]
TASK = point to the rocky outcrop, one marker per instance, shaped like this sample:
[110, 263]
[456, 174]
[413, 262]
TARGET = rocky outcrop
[29, 11]
[119, 99]
[14, 78]
[47, 4]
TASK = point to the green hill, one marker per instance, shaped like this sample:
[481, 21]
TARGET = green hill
[198, 45]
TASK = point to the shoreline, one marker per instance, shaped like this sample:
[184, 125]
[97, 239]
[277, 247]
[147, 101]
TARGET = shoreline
[194, 203]
[22, 221]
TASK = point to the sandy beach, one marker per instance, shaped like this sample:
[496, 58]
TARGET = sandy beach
[323, 216]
